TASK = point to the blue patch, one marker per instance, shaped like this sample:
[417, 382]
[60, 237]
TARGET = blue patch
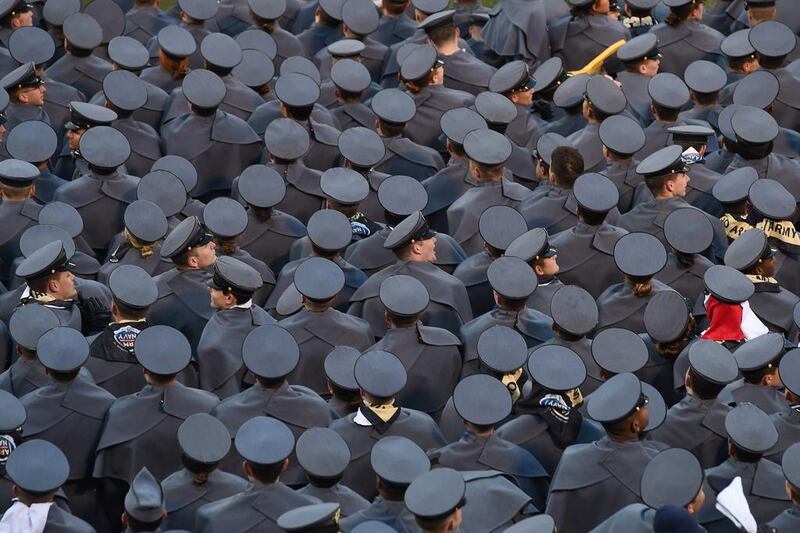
[125, 337]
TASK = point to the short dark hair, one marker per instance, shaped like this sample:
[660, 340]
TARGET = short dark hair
[667, 114]
[138, 525]
[567, 164]
[266, 473]
[703, 388]
[131, 313]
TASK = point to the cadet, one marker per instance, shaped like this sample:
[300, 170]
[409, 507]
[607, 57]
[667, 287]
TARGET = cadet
[760, 90]
[19, 210]
[265, 444]
[26, 373]
[533, 248]
[26, 93]
[520, 30]
[265, 15]
[318, 327]
[622, 137]
[786, 421]
[602, 99]
[69, 413]
[36, 142]
[788, 520]
[641, 59]
[184, 171]
[175, 46]
[683, 39]
[672, 478]
[205, 91]
[669, 95]
[569, 97]
[324, 455]
[11, 420]
[581, 37]
[79, 67]
[219, 360]
[483, 401]
[271, 354]
[414, 243]
[689, 234]
[82, 116]
[512, 282]
[450, 183]
[498, 226]
[144, 20]
[758, 360]
[204, 442]
[310, 518]
[694, 140]
[124, 94]
[394, 27]
[772, 42]
[697, 422]
[340, 380]
[145, 509]
[430, 355]
[639, 257]
[731, 192]
[436, 499]
[586, 471]
[149, 419]
[351, 81]
[359, 23]
[514, 81]
[221, 54]
[361, 149]
[404, 157]
[750, 435]
[397, 462]
[37, 469]
[105, 189]
[705, 81]
[183, 300]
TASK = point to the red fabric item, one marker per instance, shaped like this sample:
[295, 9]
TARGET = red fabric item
[725, 320]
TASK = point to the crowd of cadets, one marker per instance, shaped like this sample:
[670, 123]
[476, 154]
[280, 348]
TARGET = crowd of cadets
[344, 265]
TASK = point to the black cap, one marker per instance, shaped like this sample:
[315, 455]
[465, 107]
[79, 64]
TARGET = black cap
[571, 93]
[605, 95]
[542, 523]
[318, 279]
[380, 374]
[398, 460]
[772, 39]
[760, 352]
[362, 147]
[668, 90]
[23, 76]
[261, 186]
[639, 255]
[482, 400]
[234, 276]
[82, 31]
[48, 259]
[344, 186]
[402, 195]
[790, 371]
[622, 135]
[771, 199]
[531, 245]
[257, 40]
[393, 106]
[345, 48]
[748, 249]
[574, 310]
[713, 362]
[615, 399]
[270, 352]
[267, 9]
[458, 122]
[109, 15]
[37, 467]
[286, 139]
[145, 221]
[727, 284]
[595, 193]
[662, 163]
[12, 413]
[350, 76]
[556, 368]
[132, 286]
[181, 167]
[176, 41]
[360, 16]
[83, 115]
[315, 517]
[419, 62]
[296, 90]
[199, 9]
[691, 133]
[164, 189]
[737, 44]
[35, 237]
[340, 366]
[29, 322]
[512, 278]
[124, 90]
[493, 108]
[688, 231]
[33, 44]
[264, 440]
[502, 349]
[757, 89]
[16, 173]
[203, 89]
[754, 125]
[413, 228]
[487, 147]
[329, 230]
[512, 76]
[128, 53]
[322, 453]
[790, 462]
[221, 51]
[666, 316]
[750, 428]
[105, 147]
[435, 494]
[225, 217]
[673, 477]
[734, 187]
[639, 48]
[404, 296]
[204, 439]
[62, 349]
[162, 350]
[499, 225]
[546, 144]
[618, 350]
[55, 12]
[705, 77]
[549, 75]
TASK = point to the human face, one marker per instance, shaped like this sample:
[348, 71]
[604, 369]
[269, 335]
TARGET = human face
[547, 266]
[219, 300]
[74, 138]
[679, 183]
[427, 249]
[523, 98]
[206, 255]
[34, 95]
[601, 7]
[65, 286]
[766, 267]
[649, 67]
[22, 20]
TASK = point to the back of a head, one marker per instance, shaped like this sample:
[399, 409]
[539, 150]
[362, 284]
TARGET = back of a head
[674, 519]
[566, 165]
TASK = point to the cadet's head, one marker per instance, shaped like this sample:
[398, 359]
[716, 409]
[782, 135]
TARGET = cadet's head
[46, 271]
[233, 283]
[404, 298]
[394, 8]
[265, 445]
[751, 433]
[515, 82]
[589, 7]
[436, 498]
[566, 164]
[422, 67]
[24, 85]
[17, 15]
[413, 240]
[758, 12]
[683, 11]
[641, 55]
[37, 468]
[621, 407]
[190, 246]
[440, 29]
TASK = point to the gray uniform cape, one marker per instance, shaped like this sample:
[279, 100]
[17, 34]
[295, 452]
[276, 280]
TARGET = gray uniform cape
[145, 144]
[518, 29]
[183, 497]
[445, 187]
[142, 23]
[578, 40]
[493, 501]
[405, 157]
[619, 308]
[788, 425]
[83, 73]
[15, 218]
[686, 43]
[473, 274]
[120, 252]
[112, 361]
[465, 72]
[392, 513]
[768, 399]
[634, 87]
[587, 142]
[687, 281]
[270, 240]
[349, 501]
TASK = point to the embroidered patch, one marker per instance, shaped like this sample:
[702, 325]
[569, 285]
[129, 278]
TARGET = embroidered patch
[7, 445]
[125, 337]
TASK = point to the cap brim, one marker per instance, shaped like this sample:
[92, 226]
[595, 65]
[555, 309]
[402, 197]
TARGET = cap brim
[550, 252]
